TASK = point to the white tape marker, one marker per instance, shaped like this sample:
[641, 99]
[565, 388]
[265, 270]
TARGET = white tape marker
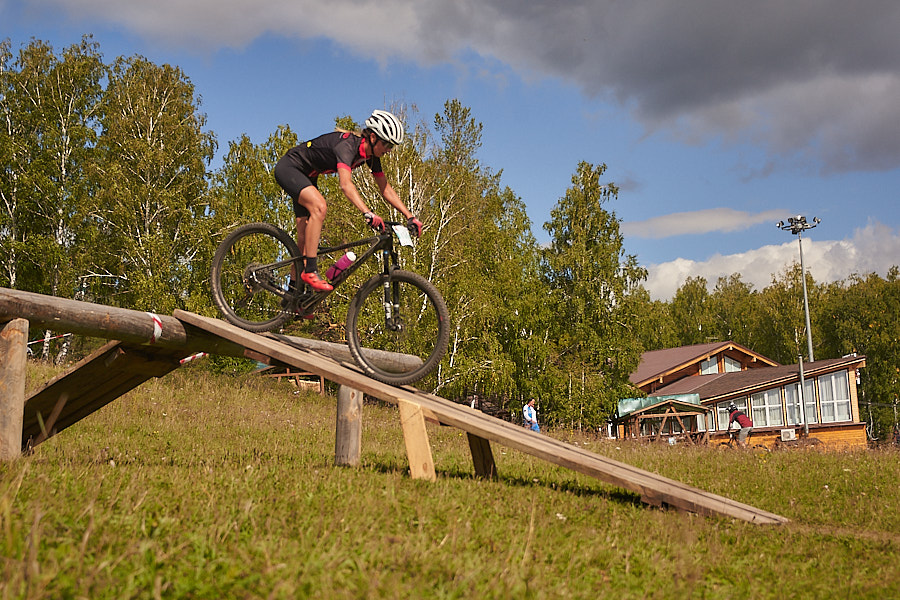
[157, 328]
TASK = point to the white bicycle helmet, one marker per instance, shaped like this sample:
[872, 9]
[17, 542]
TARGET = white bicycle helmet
[386, 126]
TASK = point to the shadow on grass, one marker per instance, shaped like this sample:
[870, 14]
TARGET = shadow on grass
[611, 494]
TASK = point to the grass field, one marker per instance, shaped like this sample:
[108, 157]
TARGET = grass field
[202, 486]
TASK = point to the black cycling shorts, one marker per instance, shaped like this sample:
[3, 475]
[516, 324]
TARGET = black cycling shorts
[292, 180]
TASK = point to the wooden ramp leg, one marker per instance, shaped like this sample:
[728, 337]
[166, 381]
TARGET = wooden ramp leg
[13, 358]
[482, 456]
[348, 431]
[418, 450]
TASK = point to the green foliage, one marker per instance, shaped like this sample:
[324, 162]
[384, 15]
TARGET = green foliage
[590, 280]
[652, 323]
[734, 311]
[48, 105]
[862, 317]
[151, 186]
[690, 310]
[244, 189]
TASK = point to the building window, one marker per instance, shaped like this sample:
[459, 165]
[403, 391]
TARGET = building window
[722, 411]
[792, 402]
[732, 365]
[767, 408]
[834, 397]
[709, 366]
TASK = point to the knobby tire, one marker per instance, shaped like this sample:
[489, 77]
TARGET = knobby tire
[243, 302]
[425, 332]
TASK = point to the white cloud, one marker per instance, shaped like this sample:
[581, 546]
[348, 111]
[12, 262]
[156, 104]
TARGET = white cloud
[725, 220]
[872, 249]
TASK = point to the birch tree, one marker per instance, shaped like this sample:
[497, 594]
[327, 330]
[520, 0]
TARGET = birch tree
[151, 211]
[590, 278]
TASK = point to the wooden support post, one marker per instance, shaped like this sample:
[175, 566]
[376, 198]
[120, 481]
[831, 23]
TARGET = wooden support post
[482, 456]
[348, 431]
[418, 450]
[13, 358]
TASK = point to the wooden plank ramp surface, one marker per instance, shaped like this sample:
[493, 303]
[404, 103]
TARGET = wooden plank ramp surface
[91, 384]
[652, 488]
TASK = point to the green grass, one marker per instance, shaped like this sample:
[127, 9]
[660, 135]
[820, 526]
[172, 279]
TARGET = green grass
[201, 486]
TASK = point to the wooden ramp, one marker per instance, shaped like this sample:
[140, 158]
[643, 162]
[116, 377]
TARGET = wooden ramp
[483, 429]
[113, 370]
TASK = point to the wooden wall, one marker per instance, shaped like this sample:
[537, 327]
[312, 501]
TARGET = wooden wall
[843, 436]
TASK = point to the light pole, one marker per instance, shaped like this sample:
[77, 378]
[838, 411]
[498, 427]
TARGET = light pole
[797, 225]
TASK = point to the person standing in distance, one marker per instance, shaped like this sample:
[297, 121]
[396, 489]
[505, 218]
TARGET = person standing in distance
[530, 416]
[338, 152]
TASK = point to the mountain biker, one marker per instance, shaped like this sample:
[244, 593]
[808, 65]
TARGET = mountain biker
[742, 420]
[338, 152]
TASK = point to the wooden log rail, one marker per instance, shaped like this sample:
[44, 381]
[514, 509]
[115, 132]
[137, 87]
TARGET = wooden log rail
[146, 345]
[148, 329]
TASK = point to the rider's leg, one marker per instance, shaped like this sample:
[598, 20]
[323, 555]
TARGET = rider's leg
[742, 436]
[294, 181]
[311, 199]
[300, 223]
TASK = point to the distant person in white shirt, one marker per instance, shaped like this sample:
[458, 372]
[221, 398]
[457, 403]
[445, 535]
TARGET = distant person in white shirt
[530, 416]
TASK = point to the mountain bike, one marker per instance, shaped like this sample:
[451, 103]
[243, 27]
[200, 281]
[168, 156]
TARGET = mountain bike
[732, 441]
[394, 310]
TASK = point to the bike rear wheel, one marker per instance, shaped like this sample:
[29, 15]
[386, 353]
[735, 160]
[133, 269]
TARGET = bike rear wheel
[250, 274]
[415, 322]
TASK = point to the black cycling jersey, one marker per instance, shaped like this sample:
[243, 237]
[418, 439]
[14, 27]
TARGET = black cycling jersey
[303, 164]
[330, 152]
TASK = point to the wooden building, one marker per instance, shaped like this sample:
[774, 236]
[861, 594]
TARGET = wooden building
[659, 417]
[724, 372]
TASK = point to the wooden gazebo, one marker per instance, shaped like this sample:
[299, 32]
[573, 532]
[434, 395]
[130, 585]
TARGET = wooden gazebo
[657, 417]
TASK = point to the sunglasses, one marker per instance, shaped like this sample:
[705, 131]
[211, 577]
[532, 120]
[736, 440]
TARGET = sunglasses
[386, 144]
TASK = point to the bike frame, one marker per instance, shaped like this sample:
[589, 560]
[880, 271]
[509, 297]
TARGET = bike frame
[383, 243]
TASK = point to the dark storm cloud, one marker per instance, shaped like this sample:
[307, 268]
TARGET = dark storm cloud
[815, 83]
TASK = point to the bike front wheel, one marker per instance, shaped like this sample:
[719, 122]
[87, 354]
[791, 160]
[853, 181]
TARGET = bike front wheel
[398, 327]
[251, 271]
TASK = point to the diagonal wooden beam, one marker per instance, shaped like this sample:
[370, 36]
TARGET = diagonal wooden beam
[661, 490]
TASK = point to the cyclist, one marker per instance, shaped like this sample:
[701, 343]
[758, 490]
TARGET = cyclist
[340, 151]
[734, 414]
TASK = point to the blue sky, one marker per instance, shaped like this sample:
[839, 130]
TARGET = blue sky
[715, 119]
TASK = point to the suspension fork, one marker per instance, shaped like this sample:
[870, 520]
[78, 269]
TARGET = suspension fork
[391, 289]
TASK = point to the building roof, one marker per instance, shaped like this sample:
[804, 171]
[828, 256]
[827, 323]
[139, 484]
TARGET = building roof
[657, 363]
[721, 386]
[629, 406]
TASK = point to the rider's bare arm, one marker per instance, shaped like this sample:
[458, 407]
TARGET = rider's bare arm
[346, 181]
[391, 195]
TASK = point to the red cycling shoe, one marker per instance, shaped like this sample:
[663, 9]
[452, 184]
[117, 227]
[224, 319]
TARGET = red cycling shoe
[312, 279]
